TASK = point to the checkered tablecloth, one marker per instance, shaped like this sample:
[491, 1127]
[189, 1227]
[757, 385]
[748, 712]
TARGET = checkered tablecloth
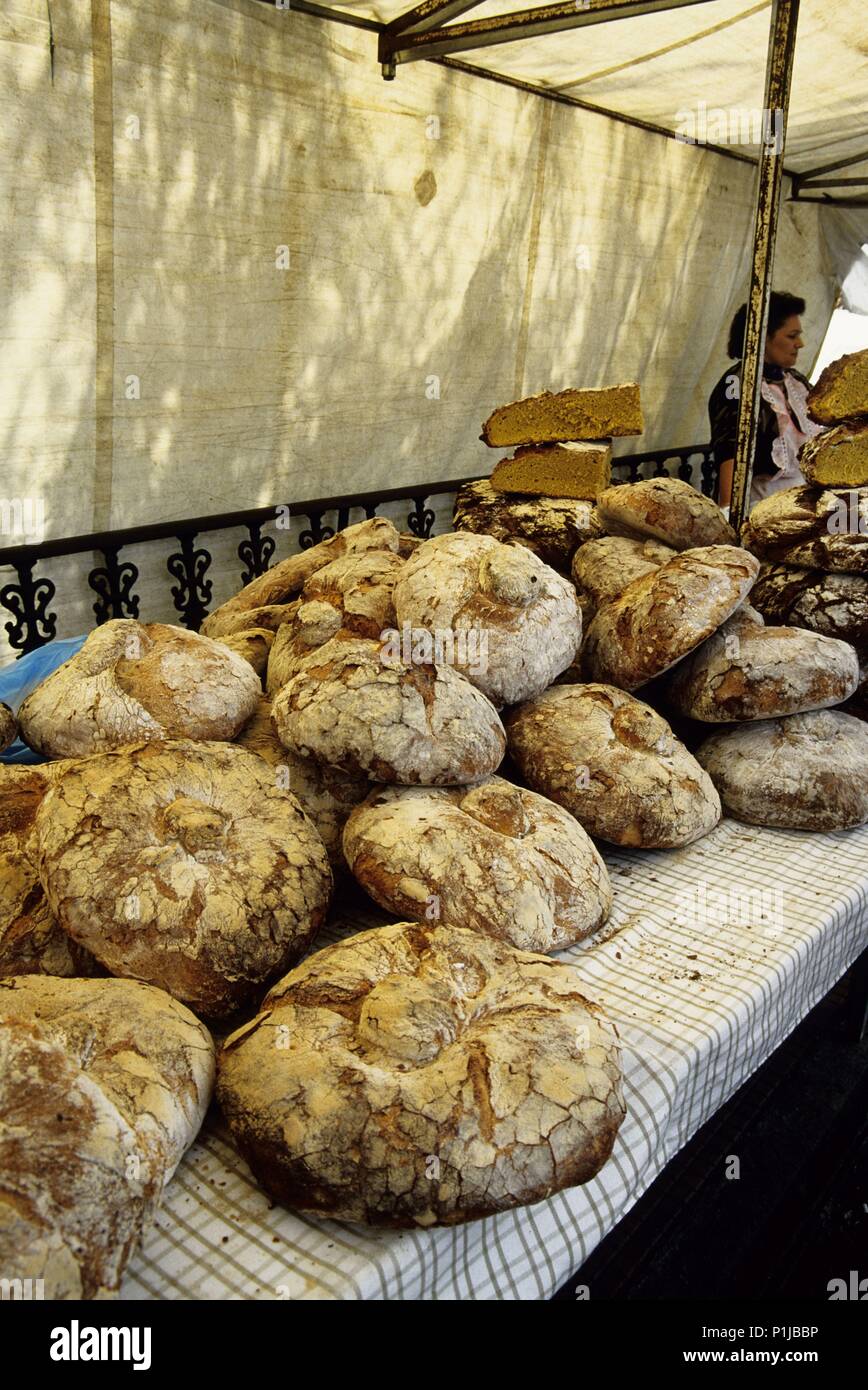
[712, 955]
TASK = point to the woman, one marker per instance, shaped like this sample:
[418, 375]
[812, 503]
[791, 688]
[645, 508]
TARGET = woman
[783, 422]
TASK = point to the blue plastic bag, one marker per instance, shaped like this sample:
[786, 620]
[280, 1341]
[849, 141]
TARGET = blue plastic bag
[20, 677]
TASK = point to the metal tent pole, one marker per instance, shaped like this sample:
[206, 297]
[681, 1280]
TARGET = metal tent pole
[779, 71]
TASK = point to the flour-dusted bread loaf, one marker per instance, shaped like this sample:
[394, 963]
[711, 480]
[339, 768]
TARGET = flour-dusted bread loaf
[555, 417]
[602, 569]
[817, 528]
[662, 616]
[31, 940]
[614, 764]
[551, 527]
[134, 681]
[253, 643]
[806, 772]
[556, 470]
[421, 1075]
[103, 1085]
[506, 621]
[664, 509]
[842, 390]
[325, 794]
[748, 671]
[271, 616]
[286, 579]
[835, 605]
[368, 713]
[492, 857]
[838, 457]
[353, 595]
[8, 727]
[186, 865]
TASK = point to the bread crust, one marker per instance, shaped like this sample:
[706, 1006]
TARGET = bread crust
[835, 605]
[816, 528]
[415, 1076]
[133, 681]
[104, 1084]
[614, 764]
[493, 858]
[662, 616]
[805, 772]
[664, 509]
[356, 710]
[184, 864]
[551, 527]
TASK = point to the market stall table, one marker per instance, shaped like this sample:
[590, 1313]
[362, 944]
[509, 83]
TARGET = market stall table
[712, 956]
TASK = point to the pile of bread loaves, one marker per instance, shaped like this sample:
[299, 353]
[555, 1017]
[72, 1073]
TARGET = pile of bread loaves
[165, 873]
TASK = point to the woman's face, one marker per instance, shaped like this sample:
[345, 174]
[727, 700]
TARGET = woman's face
[782, 347]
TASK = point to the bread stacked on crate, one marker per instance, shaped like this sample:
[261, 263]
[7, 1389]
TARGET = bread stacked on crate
[542, 496]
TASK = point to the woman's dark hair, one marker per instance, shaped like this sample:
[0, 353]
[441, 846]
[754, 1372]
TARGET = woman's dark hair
[782, 306]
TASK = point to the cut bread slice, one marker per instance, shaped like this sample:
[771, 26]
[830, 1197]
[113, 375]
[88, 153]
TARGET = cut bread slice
[556, 470]
[838, 457]
[552, 418]
[842, 390]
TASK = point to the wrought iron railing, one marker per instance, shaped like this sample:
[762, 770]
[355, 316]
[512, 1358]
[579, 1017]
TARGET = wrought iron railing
[113, 581]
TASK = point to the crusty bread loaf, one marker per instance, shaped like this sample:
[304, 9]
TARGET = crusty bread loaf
[429, 1076]
[103, 1085]
[493, 858]
[31, 941]
[525, 616]
[602, 569]
[614, 764]
[352, 595]
[817, 528]
[806, 772]
[286, 579]
[253, 643]
[835, 605]
[134, 681]
[748, 671]
[271, 616]
[662, 616]
[842, 390]
[551, 418]
[358, 710]
[664, 509]
[184, 864]
[325, 794]
[552, 527]
[838, 457]
[581, 471]
[8, 727]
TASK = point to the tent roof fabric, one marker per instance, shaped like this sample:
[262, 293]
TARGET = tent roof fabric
[697, 70]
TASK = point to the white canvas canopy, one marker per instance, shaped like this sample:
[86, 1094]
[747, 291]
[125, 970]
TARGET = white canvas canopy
[240, 268]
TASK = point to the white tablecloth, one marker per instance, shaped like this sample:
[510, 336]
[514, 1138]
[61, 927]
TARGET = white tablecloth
[712, 955]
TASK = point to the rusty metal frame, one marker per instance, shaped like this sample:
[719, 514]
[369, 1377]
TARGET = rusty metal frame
[770, 171]
[400, 44]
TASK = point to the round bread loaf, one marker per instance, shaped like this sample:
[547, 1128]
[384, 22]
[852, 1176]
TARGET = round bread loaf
[8, 727]
[835, 605]
[286, 579]
[748, 671]
[31, 941]
[350, 595]
[360, 710]
[253, 643]
[270, 616]
[817, 528]
[805, 772]
[614, 764]
[602, 569]
[552, 527]
[665, 509]
[663, 615]
[104, 1084]
[134, 681]
[325, 794]
[421, 1076]
[510, 623]
[185, 865]
[492, 858]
